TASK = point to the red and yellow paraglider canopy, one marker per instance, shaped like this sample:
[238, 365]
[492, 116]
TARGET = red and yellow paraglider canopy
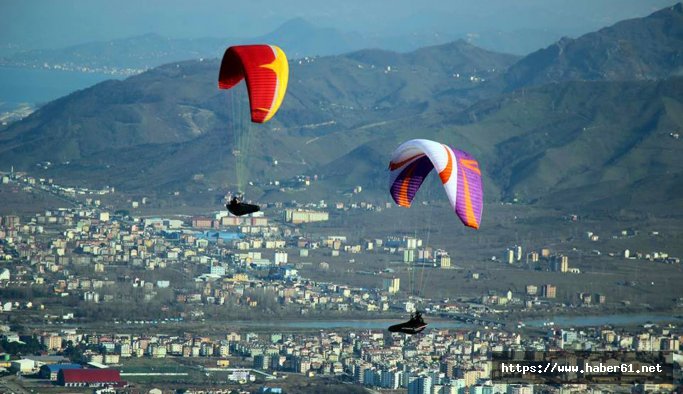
[266, 71]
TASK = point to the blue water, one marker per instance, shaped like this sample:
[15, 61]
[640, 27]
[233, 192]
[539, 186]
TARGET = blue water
[560, 321]
[38, 86]
[356, 324]
[601, 320]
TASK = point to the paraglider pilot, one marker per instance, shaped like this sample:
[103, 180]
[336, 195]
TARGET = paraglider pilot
[238, 208]
[413, 326]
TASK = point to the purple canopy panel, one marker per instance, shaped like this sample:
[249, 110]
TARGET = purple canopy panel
[470, 200]
[407, 183]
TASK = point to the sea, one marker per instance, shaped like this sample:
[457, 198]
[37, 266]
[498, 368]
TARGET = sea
[34, 87]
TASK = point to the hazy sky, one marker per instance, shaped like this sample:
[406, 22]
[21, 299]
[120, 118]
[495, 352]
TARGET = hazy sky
[52, 24]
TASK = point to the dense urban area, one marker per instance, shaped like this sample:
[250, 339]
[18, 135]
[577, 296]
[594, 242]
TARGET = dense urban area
[95, 298]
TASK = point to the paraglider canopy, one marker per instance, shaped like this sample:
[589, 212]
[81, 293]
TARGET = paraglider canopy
[459, 172]
[266, 71]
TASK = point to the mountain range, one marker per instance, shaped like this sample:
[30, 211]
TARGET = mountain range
[636, 49]
[584, 122]
[300, 37]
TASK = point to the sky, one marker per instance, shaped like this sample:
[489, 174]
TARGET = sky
[47, 24]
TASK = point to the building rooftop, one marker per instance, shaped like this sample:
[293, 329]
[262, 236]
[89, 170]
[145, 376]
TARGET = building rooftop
[89, 375]
[58, 367]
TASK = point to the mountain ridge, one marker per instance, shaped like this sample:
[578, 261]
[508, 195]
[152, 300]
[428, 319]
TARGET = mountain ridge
[171, 129]
[640, 48]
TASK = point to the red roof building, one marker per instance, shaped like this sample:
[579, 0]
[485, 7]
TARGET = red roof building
[88, 377]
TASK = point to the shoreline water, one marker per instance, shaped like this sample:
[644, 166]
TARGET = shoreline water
[558, 320]
[37, 86]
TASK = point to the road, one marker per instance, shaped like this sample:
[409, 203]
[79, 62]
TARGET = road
[12, 384]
